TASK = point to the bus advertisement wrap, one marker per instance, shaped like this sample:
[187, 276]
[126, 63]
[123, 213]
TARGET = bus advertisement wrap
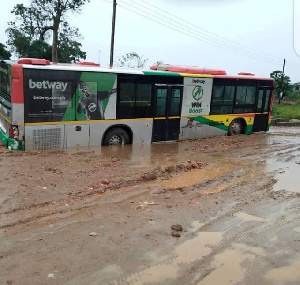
[196, 97]
[48, 100]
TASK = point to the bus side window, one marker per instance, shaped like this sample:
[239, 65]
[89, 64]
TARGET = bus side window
[175, 103]
[267, 103]
[134, 101]
[217, 97]
[143, 100]
[222, 99]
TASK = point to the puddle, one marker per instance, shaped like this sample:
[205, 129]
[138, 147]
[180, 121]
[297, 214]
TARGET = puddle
[104, 274]
[284, 130]
[188, 252]
[285, 274]
[247, 218]
[197, 247]
[297, 230]
[228, 265]
[287, 175]
[196, 225]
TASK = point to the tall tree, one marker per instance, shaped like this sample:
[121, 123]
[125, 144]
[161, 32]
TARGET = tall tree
[132, 60]
[42, 20]
[282, 83]
[4, 54]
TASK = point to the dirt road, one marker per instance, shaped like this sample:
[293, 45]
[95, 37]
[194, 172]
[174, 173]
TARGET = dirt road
[214, 211]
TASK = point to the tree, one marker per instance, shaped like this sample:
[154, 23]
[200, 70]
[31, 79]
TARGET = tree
[4, 54]
[132, 60]
[159, 62]
[41, 20]
[282, 83]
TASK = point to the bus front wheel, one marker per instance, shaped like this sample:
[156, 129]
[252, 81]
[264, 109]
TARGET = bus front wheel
[116, 136]
[235, 127]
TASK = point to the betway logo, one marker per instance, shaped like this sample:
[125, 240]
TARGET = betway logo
[57, 85]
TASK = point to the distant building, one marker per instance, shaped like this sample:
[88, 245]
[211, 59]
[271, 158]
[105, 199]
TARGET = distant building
[296, 87]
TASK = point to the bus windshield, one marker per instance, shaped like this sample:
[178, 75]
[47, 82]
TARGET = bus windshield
[5, 96]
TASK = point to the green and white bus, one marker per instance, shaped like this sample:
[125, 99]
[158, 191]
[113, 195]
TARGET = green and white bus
[60, 106]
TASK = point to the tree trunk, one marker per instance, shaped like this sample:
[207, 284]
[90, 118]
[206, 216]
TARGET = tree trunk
[54, 45]
[56, 23]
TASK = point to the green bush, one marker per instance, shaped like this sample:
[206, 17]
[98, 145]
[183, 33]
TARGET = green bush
[286, 111]
[293, 95]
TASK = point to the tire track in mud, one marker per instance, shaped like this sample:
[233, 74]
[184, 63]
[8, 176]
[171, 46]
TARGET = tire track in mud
[238, 234]
[257, 234]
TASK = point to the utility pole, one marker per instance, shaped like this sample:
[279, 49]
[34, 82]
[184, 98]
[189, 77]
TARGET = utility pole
[281, 87]
[113, 25]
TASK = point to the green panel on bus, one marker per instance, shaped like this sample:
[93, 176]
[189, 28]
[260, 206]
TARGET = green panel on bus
[94, 98]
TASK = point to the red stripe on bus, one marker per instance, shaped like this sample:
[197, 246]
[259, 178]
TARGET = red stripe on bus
[243, 77]
[17, 84]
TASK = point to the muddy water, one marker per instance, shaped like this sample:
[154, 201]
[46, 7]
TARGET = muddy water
[188, 252]
[285, 162]
[229, 264]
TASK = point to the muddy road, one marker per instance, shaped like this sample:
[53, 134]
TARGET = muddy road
[213, 211]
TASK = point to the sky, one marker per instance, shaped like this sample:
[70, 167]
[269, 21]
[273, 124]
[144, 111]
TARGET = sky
[234, 35]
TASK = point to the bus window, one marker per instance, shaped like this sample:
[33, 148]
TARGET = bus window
[143, 100]
[127, 94]
[161, 101]
[229, 95]
[217, 98]
[175, 103]
[260, 100]
[267, 103]
[135, 100]
[5, 85]
[250, 95]
[245, 95]
[222, 99]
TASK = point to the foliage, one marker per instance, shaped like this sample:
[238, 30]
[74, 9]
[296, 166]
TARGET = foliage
[39, 22]
[294, 95]
[159, 62]
[286, 111]
[132, 60]
[282, 83]
[4, 54]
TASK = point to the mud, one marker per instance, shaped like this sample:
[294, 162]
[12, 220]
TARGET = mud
[213, 211]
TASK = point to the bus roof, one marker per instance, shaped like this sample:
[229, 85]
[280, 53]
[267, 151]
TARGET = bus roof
[93, 67]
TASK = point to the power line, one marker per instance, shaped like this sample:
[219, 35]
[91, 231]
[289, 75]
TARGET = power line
[196, 35]
[191, 25]
[228, 44]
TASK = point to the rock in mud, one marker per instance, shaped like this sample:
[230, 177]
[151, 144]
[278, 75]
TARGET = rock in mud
[177, 228]
[175, 234]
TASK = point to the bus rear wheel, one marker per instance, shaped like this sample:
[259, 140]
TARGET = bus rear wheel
[116, 136]
[235, 127]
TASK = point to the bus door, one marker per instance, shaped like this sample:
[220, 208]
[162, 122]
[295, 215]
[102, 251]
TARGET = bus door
[167, 112]
[262, 109]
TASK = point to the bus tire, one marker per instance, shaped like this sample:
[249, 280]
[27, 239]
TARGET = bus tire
[235, 127]
[116, 136]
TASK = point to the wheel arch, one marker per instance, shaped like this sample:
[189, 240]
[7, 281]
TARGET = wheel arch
[243, 123]
[126, 128]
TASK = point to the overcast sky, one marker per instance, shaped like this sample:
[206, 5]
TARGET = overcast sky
[235, 35]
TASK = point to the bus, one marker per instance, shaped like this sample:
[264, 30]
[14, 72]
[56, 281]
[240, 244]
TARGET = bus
[60, 106]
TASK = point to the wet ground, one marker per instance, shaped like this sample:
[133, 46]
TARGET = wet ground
[213, 211]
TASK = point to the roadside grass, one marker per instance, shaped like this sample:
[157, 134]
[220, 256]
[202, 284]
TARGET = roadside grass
[286, 110]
